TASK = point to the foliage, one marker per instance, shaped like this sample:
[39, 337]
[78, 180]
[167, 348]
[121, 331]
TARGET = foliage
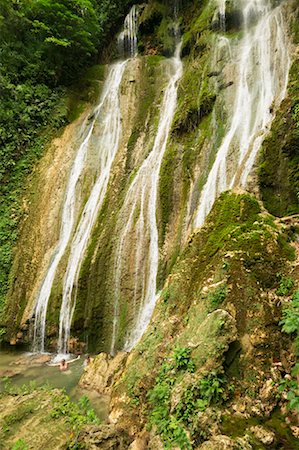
[291, 388]
[290, 318]
[2, 334]
[182, 358]
[173, 424]
[217, 297]
[77, 414]
[20, 445]
[44, 46]
[209, 389]
[290, 324]
[286, 285]
[159, 397]
[9, 421]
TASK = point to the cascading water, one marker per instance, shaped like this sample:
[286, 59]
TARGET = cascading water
[138, 224]
[221, 12]
[108, 143]
[127, 40]
[261, 76]
[66, 229]
[106, 117]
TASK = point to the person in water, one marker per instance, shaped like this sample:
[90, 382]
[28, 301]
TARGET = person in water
[87, 361]
[63, 365]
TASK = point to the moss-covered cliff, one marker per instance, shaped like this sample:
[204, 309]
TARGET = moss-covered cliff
[207, 363]
[214, 369]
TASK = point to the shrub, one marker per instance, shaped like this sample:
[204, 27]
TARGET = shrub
[285, 286]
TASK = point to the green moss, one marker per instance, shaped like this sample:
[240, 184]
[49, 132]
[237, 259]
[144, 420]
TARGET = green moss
[235, 426]
[166, 184]
[242, 249]
[279, 164]
[151, 66]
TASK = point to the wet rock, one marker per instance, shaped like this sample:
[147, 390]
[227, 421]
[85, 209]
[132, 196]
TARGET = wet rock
[102, 371]
[106, 437]
[225, 85]
[9, 373]
[267, 437]
[32, 360]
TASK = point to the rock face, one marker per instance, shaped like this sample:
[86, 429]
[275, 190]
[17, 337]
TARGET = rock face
[206, 373]
[102, 372]
[265, 436]
[206, 365]
[106, 438]
[225, 443]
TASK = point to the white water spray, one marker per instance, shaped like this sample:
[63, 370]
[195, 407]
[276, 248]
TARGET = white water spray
[139, 235]
[262, 67]
[108, 143]
[66, 229]
[107, 118]
[127, 40]
[222, 13]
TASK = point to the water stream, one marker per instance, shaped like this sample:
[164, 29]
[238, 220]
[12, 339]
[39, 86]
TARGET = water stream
[106, 126]
[260, 80]
[138, 236]
[127, 39]
[66, 229]
[107, 145]
[221, 12]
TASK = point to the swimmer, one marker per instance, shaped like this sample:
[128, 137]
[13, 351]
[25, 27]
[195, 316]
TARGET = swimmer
[63, 365]
[87, 361]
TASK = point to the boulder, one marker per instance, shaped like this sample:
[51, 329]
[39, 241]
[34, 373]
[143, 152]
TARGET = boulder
[99, 375]
[106, 437]
[267, 437]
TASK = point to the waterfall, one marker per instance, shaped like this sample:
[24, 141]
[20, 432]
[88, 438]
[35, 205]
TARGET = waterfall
[127, 40]
[261, 75]
[108, 143]
[107, 118]
[221, 12]
[66, 228]
[138, 235]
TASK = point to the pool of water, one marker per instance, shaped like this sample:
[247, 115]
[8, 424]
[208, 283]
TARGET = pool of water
[23, 368]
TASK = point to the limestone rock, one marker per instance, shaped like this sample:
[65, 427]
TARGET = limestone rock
[221, 442]
[258, 337]
[141, 442]
[106, 437]
[213, 337]
[267, 437]
[32, 360]
[156, 443]
[9, 373]
[101, 372]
